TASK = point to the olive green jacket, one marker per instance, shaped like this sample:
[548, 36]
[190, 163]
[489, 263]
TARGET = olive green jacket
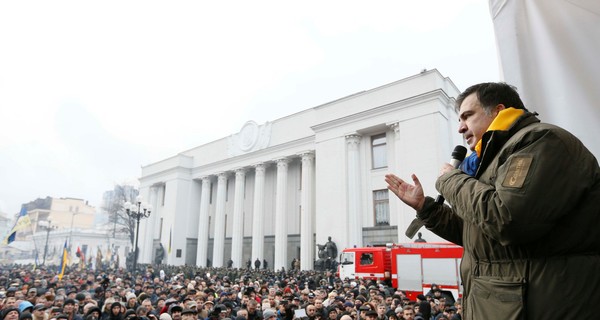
[529, 222]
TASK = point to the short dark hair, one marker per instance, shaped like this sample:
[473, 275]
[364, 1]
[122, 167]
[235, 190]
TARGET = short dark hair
[491, 94]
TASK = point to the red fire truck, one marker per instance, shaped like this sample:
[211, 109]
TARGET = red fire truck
[411, 267]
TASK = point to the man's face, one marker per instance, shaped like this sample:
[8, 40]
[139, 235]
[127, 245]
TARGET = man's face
[333, 314]
[13, 315]
[39, 314]
[10, 302]
[408, 314]
[363, 314]
[176, 315]
[68, 308]
[319, 303]
[473, 121]
[310, 311]
[381, 309]
[147, 304]
[188, 316]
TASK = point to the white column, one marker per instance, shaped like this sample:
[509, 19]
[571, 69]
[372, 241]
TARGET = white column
[147, 240]
[219, 238]
[307, 211]
[280, 215]
[237, 237]
[354, 191]
[159, 214]
[258, 237]
[396, 207]
[202, 250]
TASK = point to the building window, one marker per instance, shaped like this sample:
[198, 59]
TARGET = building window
[381, 207]
[379, 151]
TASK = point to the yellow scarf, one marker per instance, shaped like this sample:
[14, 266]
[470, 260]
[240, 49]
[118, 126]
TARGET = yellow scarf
[503, 121]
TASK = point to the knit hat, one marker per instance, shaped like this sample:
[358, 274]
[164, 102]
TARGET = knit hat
[25, 315]
[129, 312]
[165, 316]
[268, 314]
[69, 301]
[8, 310]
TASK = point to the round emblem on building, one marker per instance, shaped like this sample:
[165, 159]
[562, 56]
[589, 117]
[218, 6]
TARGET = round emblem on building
[248, 136]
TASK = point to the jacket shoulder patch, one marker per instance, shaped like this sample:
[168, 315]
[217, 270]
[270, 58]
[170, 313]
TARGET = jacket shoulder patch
[517, 171]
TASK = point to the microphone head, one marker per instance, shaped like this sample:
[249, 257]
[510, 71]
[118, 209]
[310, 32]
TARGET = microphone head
[459, 153]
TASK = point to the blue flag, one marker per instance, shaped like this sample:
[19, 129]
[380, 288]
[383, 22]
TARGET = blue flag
[22, 222]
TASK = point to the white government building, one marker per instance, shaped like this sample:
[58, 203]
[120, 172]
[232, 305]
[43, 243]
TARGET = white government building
[274, 190]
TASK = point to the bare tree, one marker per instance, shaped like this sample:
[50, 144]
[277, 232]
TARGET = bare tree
[113, 206]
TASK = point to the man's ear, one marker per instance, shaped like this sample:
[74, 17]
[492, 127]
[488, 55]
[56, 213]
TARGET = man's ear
[499, 108]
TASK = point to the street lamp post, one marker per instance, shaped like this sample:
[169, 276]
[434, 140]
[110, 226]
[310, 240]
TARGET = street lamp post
[137, 211]
[73, 214]
[48, 225]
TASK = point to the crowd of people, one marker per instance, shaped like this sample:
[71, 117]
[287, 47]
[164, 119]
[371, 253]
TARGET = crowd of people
[195, 293]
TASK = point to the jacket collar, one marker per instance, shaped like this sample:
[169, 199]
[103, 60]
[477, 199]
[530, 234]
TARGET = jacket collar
[493, 140]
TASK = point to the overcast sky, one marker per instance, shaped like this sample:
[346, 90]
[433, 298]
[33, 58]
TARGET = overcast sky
[91, 91]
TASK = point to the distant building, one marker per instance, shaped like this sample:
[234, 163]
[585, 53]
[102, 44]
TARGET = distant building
[63, 214]
[272, 191]
[71, 220]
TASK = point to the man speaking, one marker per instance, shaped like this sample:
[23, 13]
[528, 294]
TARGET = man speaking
[525, 207]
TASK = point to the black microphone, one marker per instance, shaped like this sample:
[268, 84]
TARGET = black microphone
[458, 155]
